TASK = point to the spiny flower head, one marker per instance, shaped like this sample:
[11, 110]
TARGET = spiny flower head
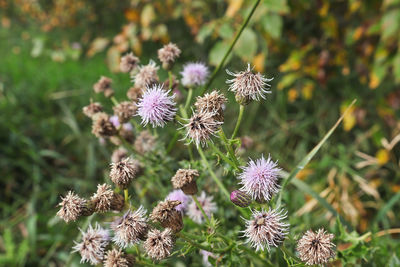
[156, 106]
[93, 245]
[185, 179]
[117, 258]
[145, 142]
[260, 179]
[168, 54]
[208, 205]
[130, 228]
[103, 84]
[123, 172]
[105, 199]
[101, 125]
[125, 111]
[146, 76]
[248, 85]
[194, 74]
[179, 196]
[92, 108]
[212, 102]
[166, 214]
[201, 126]
[128, 63]
[159, 245]
[134, 93]
[266, 229]
[72, 207]
[316, 248]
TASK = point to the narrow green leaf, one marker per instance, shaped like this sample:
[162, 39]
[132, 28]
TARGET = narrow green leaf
[382, 212]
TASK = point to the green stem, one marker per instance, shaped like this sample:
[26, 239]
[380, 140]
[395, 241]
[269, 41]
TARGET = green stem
[201, 209]
[200, 246]
[223, 156]
[126, 196]
[239, 120]
[188, 98]
[170, 80]
[228, 148]
[114, 100]
[236, 38]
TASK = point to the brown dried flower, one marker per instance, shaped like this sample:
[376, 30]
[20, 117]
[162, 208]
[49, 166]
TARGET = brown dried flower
[92, 108]
[117, 258]
[185, 179]
[212, 102]
[166, 214]
[145, 142]
[105, 199]
[168, 54]
[316, 248]
[119, 154]
[128, 63]
[134, 93]
[159, 245]
[109, 92]
[147, 75]
[201, 127]
[123, 172]
[102, 85]
[125, 111]
[72, 207]
[101, 125]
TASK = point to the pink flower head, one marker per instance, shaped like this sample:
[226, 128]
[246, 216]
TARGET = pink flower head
[180, 196]
[115, 121]
[208, 205]
[259, 179]
[194, 74]
[156, 106]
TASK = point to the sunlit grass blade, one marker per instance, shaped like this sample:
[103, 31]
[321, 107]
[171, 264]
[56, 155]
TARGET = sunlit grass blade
[388, 206]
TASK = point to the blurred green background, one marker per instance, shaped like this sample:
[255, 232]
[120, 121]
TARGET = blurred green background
[322, 55]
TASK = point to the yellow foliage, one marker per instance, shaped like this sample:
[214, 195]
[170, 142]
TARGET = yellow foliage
[233, 7]
[304, 173]
[324, 9]
[307, 91]
[258, 62]
[374, 81]
[382, 156]
[349, 120]
[292, 95]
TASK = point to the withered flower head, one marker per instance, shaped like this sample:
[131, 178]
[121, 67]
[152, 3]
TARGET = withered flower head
[109, 92]
[147, 75]
[125, 111]
[92, 108]
[201, 127]
[128, 63]
[316, 248]
[123, 172]
[72, 207]
[168, 54]
[117, 258]
[93, 245]
[101, 125]
[166, 214]
[105, 199]
[119, 154]
[212, 102]
[130, 228]
[145, 142]
[159, 245]
[134, 93]
[102, 85]
[185, 179]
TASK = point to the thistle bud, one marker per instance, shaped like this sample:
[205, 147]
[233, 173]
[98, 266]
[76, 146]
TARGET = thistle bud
[240, 198]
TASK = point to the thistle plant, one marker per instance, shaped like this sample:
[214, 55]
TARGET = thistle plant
[186, 215]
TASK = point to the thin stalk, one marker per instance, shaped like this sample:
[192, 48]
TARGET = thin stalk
[228, 148]
[188, 98]
[222, 155]
[201, 209]
[126, 196]
[200, 246]
[170, 80]
[114, 100]
[239, 120]
[235, 39]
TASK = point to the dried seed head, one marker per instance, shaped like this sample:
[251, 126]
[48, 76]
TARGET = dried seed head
[101, 125]
[105, 199]
[266, 229]
[72, 207]
[123, 172]
[156, 106]
[102, 85]
[145, 142]
[125, 111]
[128, 63]
[147, 75]
[134, 93]
[109, 92]
[185, 179]
[316, 248]
[166, 214]
[159, 245]
[240, 198]
[260, 179]
[212, 102]
[117, 258]
[130, 228]
[201, 127]
[119, 154]
[194, 74]
[179, 196]
[248, 85]
[93, 245]
[92, 108]
[208, 205]
[168, 55]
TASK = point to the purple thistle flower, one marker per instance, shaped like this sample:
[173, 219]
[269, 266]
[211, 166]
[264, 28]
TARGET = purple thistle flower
[194, 74]
[208, 205]
[240, 198]
[156, 106]
[115, 121]
[266, 229]
[180, 196]
[259, 179]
